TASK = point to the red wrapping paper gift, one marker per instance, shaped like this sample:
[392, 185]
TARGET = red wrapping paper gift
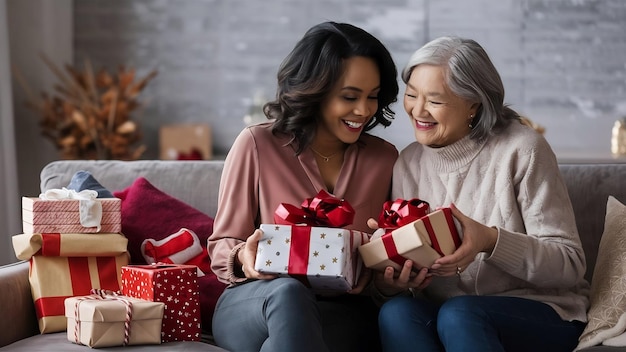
[67, 265]
[175, 285]
[423, 240]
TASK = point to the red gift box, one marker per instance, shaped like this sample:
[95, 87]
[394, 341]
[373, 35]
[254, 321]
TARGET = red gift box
[176, 286]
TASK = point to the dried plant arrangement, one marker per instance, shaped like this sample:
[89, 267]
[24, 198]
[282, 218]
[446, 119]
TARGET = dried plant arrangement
[89, 114]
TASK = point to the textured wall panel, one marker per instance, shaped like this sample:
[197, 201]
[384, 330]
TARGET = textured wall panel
[563, 62]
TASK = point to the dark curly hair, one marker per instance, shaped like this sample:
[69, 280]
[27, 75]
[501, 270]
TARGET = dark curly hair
[308, 74]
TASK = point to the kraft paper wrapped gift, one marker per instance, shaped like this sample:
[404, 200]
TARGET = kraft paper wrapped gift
[68, 215]
[67, 265]
[423, 241]
[324, 258]
[176, 285]
[103, 321]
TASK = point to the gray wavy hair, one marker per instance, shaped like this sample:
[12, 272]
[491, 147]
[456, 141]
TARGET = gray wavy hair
[469, 74]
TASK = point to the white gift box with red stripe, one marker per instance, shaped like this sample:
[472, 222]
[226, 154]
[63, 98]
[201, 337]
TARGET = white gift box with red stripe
[67, 265]
[175, 285]
[323, 258]
[63, 216]
[423, 241]
[105, 321]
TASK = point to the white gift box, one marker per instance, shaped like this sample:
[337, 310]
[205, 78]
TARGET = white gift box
[325, 259]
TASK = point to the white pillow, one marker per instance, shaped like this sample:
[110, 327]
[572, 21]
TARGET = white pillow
[607, 314]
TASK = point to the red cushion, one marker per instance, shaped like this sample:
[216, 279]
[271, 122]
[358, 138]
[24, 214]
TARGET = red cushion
[149, 213]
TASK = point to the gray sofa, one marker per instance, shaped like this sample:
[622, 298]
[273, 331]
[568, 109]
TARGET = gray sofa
[196, 183]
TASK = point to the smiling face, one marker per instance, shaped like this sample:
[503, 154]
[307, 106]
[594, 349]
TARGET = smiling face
[350, 105]
[439, 117]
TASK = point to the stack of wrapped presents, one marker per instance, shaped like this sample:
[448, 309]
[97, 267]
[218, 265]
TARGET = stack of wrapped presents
[75, 261]
[82, 283]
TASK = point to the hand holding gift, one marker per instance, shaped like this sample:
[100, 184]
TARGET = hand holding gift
[477, 238]
[309, 244]
[411, 232]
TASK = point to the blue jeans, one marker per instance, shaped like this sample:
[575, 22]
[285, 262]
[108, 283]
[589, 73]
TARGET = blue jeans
[475, 323]
[283, 315]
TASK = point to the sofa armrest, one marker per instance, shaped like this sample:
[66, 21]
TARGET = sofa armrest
[18, 318]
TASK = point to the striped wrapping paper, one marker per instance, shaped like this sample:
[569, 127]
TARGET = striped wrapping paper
[35, 204]
[62, 216]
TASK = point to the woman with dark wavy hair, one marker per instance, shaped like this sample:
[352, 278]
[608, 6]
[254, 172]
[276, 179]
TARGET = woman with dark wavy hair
[336, 84]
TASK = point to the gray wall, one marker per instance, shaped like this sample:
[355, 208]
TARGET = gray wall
[34, 26]
[563, 61]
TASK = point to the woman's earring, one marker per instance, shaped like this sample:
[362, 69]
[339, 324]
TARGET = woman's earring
[471, 124]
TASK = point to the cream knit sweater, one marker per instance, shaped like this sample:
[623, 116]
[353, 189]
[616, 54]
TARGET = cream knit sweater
[510, 181]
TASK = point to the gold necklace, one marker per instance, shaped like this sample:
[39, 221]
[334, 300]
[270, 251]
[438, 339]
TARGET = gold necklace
[324, 157]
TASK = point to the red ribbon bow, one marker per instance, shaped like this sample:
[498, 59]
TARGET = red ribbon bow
[400, 212]
[396, 214]
[324, 210]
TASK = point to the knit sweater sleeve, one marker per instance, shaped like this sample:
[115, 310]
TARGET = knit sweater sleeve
[548, 253]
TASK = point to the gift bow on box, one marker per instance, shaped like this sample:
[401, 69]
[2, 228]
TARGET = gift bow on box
[89, 208]
[401, 212]
[324, 210]
[105, 295]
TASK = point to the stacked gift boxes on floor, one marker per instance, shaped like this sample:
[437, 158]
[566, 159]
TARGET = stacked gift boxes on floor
[309, 243]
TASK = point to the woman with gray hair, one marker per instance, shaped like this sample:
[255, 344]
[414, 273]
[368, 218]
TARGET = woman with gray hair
[516, 282]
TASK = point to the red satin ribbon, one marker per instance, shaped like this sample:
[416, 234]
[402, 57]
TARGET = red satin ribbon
[392, 251]
[299, 253]
[455, 234]
[396, 214]
[299, 250]
[431, 234]
[400, 212]
[323, 210]
[50, 306]
[81, 284]
[50, 244]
